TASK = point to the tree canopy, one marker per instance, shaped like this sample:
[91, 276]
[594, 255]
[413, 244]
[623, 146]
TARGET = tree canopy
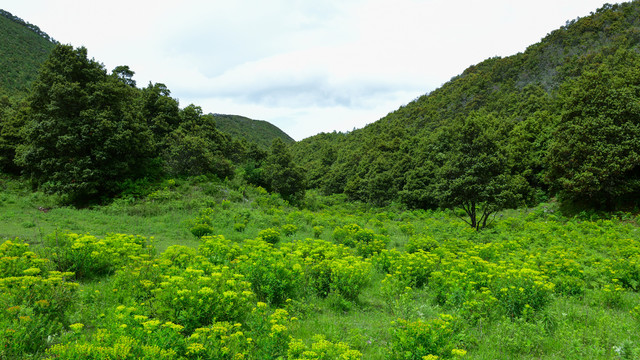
[83, 135]
[594, 155]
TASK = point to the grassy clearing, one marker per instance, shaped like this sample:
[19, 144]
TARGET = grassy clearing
[374, 283]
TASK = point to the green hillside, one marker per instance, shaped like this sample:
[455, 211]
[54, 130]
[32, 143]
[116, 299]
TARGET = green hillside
[23, 48]
[257, 131]
[523, 99]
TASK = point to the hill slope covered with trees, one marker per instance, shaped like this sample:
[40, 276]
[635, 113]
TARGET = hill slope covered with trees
[253, 131]
[23, 48]
[544, 107]
[70, 127]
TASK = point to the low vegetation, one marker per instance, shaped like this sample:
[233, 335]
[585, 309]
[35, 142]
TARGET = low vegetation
[326, 280]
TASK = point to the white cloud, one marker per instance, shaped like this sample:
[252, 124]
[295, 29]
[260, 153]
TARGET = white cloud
[306, 66]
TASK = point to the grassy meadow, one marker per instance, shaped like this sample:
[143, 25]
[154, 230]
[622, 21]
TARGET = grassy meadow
[201, 269]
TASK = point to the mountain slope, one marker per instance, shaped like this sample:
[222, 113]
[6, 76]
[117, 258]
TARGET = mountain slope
[23, 49]
[258, 131]
[394, 157]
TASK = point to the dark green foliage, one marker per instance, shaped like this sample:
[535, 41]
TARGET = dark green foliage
[23, 48]
[400, 156]
[259, 132]
[83, 135]
[196, 147]
[160, 111]
[125, 74]
[12, 118]
[594, 156]
[282, 175]
[475, 174]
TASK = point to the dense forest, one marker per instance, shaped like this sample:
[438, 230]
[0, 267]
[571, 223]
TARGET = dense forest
[259, 132]
[555, 120]
[560, 119]
[89, 135]
[24, 48]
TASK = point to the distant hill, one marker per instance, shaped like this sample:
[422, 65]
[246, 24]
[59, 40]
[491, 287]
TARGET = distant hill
[23, 49]
[258, 131]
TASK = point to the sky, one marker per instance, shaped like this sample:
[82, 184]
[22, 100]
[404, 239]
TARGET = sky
[306, 66]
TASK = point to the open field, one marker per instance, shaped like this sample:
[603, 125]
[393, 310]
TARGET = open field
[330, 279]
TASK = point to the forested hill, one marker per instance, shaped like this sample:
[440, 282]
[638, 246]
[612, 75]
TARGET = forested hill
[23, 48]
[70, 126]
[559, 118]
[253, 131]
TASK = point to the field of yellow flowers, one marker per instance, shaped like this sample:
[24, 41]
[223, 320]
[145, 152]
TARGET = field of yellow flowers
[257, 279]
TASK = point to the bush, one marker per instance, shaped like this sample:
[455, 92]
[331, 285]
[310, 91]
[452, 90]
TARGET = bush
[269, 235]
[127, 335]
[317, 231]
[217, 249]
[274, 275]
[321, 349]
[349, 275]
[424, 243]
[89, 257]
[33, 300]
[194, 299]
[289, 229]
[203, 224]
[421, 339]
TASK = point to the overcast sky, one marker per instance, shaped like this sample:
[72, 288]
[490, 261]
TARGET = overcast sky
[307, 66]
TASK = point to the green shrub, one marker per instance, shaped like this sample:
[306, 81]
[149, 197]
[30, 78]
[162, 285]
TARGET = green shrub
[180, 256]
[321, 349]
[317, 231]
[420, 339]
[217, 249]
[274, 275]
[424, 243]
[126, 335]
[349, 275]
[89, 257]
[270, 330]
[194, 299]
[33, 300]
[289, 229]
[517, 290]
[202, 225]
[407, 228]
[200, 230]
[239, 227]
[269, 235]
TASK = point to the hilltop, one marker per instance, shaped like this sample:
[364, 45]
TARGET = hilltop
[23, 49]
[254, 131]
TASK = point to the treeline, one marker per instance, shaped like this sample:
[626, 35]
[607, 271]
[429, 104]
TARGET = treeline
[90, 135]
[561, 119]
[31, 27]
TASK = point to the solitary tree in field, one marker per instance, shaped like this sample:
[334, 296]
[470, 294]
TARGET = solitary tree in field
[475, 174]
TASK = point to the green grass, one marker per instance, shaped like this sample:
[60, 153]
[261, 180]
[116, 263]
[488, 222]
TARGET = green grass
[595, 321]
